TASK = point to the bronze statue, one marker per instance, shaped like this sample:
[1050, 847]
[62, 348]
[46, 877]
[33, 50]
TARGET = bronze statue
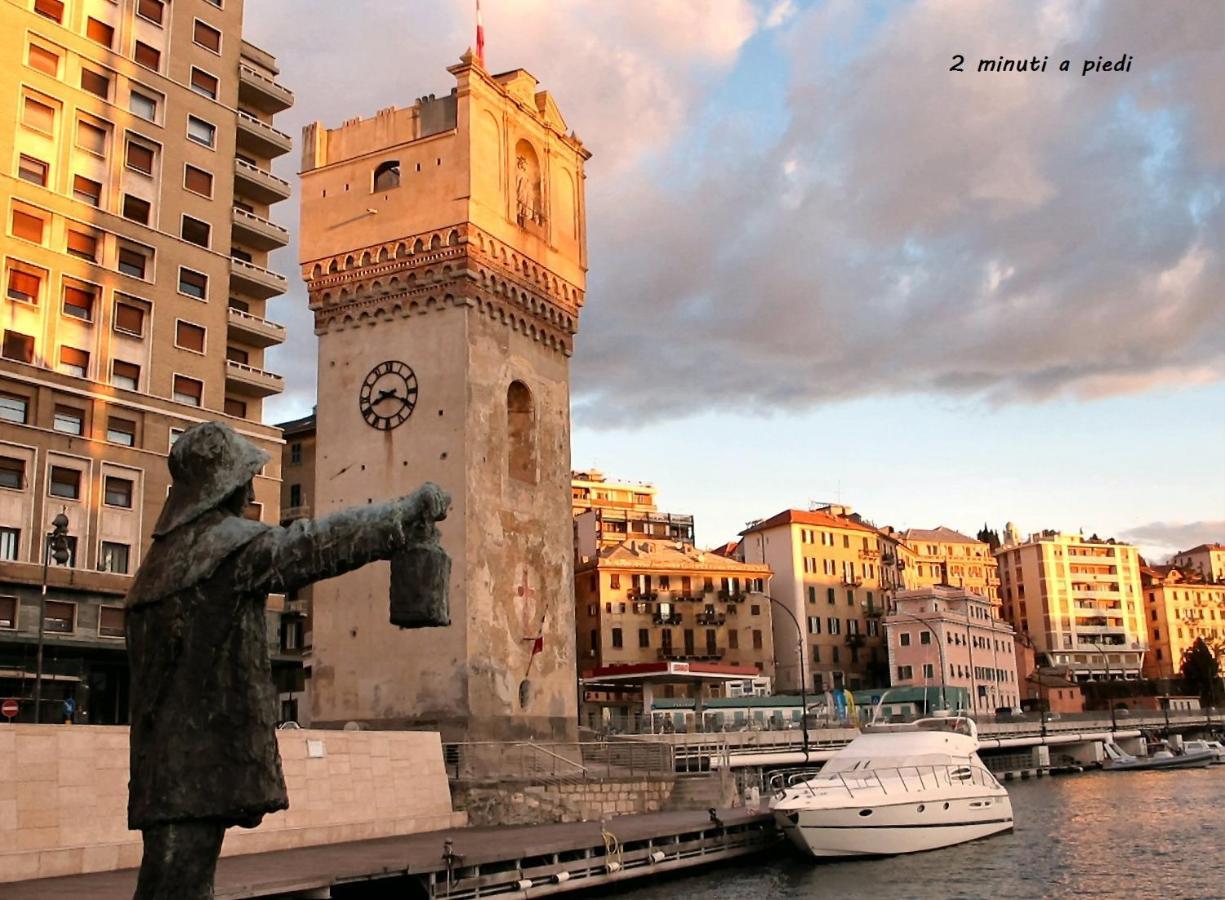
[203, 742]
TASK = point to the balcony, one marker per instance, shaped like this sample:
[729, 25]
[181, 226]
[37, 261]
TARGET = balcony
[253, 330]
[711, 618]
[259, 184]
[692, 654]
[670, 619]
[258, 91]
[250, 381]
[257, 232]
[261, 139]
[293, 513]
[256, 281]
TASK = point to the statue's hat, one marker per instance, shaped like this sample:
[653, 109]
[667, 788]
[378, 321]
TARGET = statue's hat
[208, 463]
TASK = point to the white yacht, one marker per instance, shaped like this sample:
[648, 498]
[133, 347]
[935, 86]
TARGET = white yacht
[895, 789]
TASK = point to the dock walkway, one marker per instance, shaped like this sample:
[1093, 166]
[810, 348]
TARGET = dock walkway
[485, 861]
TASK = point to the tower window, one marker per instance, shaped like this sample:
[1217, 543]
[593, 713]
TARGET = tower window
[387, 176]
[521, 433]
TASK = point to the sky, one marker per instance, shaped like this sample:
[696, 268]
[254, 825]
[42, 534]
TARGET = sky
[823, 267]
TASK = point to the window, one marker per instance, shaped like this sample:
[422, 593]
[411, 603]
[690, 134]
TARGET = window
[12, 473]
[904, 639]
[87, 190]
[757, 639]
[83, 245]
[125, 375]
[387, 176]
[79, 301]
[925, 637]
[140, 157]
[207, 37]
[65, 483]
[111, 620]
[236, 408]
[99, 32]
[8, 605]
[143, 105]
[133, 261]
[32, 170]
[69, 420]
[121, 431]
[118, 492]
[238, 355]
[74, 362]
[201, 132]
[60, 616]
[189, 336]
[204, 83]
[195, 231]
[929, 670]
[92, 138]
[198, 181]
[96, 83]
[136, 209]
[44, 60]
[295, 458]
[905, 673]
[14, 408]
[295, 495]
[38, 115]
[129, 319]
[18, 346]
[617, 639]
[24, 286]
[153, 10]
[28, 227]
[52, 9]
[644, 637]
[193, 284]
[188, 390]
[147, 56]
[521, 453]
[733, 639]
[835, 626]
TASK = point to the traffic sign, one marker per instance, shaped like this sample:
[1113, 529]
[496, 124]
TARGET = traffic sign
[9, 709]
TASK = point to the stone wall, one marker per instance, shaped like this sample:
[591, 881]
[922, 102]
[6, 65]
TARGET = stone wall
[524, 803]
[64, 793]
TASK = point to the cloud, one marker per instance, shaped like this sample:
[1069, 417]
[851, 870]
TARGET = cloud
[1160, 540]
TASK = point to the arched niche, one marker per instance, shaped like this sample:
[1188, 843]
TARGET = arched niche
[520, 433]
[529, 198]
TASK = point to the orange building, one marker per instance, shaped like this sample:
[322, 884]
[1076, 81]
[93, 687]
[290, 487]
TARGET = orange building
[1180, 607]
[943, 556]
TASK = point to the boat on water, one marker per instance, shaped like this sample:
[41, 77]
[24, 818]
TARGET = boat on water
[897, 788]
[1216, 748]
[1117, 760]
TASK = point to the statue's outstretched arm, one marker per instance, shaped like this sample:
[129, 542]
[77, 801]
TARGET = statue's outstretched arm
[311, 550]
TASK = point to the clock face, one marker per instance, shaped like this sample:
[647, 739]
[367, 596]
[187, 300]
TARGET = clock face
[388, 395]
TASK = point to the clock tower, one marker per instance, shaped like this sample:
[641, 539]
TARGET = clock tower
[444, 251]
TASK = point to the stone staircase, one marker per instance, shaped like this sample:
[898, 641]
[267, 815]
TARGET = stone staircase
[710, 789]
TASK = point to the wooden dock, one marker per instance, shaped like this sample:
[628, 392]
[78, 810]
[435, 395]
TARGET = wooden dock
[528, 861]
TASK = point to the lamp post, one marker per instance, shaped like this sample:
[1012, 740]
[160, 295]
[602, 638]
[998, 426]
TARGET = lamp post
[939, 647]
[799, 632]
[1114, 725]
[56, 548]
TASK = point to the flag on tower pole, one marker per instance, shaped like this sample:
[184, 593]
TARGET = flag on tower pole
[480, 35]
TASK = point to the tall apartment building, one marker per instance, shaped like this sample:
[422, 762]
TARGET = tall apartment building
[609, 512]
[136, 142]
[294, 636]
[834, 573]
[1208, 560]
[1078, 599]
[1181, 606]
[943, 556]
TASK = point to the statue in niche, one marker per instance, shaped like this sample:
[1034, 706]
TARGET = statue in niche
[523, 191]
[203, 743]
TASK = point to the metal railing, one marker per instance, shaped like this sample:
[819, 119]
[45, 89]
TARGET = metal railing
[557, 762]
[891, 780]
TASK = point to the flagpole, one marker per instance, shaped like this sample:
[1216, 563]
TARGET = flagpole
[480, 35]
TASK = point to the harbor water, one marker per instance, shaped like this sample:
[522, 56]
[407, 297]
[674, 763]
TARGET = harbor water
[1098, 834]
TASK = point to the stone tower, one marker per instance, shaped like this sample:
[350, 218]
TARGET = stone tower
[444, 250]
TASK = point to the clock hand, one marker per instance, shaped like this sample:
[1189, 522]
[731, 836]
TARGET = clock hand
[389, 394]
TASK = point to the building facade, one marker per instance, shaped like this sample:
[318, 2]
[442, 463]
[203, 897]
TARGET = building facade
[943, 556]
[1078, 600]
[294, 634]
[609, 512]
[954, 637]
[833, 573]
[1207, 560]
[1181, 606]
[137, 139]
[444, 251]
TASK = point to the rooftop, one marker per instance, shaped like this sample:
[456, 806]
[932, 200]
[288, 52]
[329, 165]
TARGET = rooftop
[805, 517]
[939, 534]
[670, 556]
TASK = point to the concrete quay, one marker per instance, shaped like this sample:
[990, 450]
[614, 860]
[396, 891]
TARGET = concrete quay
[463, 863]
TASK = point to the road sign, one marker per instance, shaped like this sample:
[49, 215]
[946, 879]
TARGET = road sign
[9, 709]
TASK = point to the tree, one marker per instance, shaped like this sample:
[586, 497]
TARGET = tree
[989, 536]
[1201, 672]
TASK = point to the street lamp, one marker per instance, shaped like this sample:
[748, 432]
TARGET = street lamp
[1114, 725]
[799, 631]
[939, 647]
[56, 548]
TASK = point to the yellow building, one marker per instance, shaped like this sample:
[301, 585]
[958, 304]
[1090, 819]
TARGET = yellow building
[1078, 599]
[833, 573]
[136, 139]
[1181, 607]
[609, 512]
[1208, 560]
[650, 601]
[943, 556]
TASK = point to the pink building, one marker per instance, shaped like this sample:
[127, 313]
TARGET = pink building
[942, 628]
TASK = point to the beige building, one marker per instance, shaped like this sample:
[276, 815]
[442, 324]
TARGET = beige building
[136, 139]
[444, 251]
[1078, 599]
[943, 556]
[658, 601]
[609, 512]
[834, 573]
[1208, 560]
[293, 637]
[1180, 606]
